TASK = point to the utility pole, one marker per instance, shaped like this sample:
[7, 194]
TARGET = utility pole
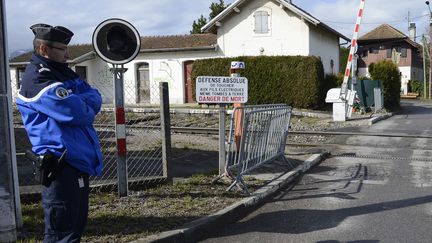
[408, 20]
[430, 48]
[430, 59]
[424, 67]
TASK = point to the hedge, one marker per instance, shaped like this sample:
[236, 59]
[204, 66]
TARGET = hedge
[294, 80]
[388, 73]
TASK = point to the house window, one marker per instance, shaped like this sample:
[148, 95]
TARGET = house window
[403, 52]
[261, 22]
[373, 49]
[19, 76]
[82, 72]
[389, 52]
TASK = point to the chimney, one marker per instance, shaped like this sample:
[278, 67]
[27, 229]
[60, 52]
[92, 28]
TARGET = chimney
[412, 31]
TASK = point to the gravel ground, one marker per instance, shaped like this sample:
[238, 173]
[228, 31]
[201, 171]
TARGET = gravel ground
[298, 123]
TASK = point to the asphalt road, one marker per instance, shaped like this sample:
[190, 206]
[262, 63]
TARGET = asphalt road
[382, 192]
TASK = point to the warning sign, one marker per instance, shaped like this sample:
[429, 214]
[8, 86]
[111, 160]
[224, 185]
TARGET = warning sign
[210, 89]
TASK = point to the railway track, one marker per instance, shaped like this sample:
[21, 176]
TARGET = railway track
[204, 131]
[309, 138]
[200, 130]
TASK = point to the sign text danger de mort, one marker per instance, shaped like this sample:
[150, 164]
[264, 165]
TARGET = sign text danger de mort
[211, 89]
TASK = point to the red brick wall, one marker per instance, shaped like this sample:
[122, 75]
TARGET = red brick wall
[412, 58]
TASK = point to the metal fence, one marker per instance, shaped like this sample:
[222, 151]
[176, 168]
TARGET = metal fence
[258, 138]
[144, 140]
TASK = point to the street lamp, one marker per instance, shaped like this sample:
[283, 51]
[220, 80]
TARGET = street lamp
[430, 48]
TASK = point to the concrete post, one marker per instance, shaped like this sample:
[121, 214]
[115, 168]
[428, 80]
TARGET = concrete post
[166, 131]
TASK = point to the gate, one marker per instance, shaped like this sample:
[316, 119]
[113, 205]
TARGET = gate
[264, 131]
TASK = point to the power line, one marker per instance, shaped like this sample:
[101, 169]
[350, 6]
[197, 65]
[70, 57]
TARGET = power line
[374, 23]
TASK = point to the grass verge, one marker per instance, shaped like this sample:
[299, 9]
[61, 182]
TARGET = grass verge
[144, 212]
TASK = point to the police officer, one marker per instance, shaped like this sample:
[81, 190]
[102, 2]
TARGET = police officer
[58, 109]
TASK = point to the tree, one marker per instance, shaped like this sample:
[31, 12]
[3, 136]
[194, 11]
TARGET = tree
[344, 53]
[198, 24]
[216, 8]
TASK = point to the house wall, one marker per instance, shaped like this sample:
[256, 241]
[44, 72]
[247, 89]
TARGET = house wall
[100, 76]
[417, 74]
[326, 46]
[13, 76]
[417, 59]
[412, 58]
[288, 33]
[13, 72]
[407, 73]
[163, 67]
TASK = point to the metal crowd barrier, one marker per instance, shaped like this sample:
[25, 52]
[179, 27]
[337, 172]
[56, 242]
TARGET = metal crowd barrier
[257, 135]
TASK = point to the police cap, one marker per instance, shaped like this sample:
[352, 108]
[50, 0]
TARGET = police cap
[52, 33]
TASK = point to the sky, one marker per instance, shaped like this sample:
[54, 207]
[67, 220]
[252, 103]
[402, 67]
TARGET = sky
[175, 17]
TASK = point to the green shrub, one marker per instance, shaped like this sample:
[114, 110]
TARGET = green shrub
[416, 86]
[333, 80]
[344, 53]
[388, 73]
[294, 80]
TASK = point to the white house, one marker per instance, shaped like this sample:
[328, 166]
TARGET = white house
[274, 27]
[245, 28]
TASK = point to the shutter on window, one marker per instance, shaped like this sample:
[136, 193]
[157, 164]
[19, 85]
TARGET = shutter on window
[403, 52]
[257, 22]
[261, 22]
[264, 22]
[389, 52]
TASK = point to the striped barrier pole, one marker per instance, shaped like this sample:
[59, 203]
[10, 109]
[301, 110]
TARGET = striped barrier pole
[353, 49]
[120, 131]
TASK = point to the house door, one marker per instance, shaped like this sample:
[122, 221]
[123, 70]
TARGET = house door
[143, 83]
[188, 81]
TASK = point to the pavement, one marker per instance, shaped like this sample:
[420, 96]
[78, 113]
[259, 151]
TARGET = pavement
[276, 172]
[198, 230]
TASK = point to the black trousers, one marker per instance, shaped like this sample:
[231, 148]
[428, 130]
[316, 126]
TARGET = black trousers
[65, 205]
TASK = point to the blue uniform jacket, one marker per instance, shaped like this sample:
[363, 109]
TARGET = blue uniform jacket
[58, 109]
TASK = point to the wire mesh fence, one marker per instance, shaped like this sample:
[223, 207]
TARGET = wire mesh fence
[143, 138]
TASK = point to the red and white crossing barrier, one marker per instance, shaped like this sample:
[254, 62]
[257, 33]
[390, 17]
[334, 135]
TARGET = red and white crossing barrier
[353, 49]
